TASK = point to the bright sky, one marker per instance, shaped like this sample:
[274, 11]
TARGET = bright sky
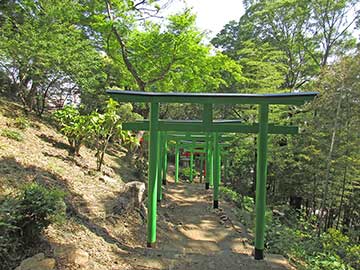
[212, 15]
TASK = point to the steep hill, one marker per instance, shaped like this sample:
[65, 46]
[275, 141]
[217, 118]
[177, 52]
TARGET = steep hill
[190, 234]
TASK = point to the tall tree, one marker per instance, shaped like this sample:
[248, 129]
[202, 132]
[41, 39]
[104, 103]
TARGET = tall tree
[169, 55]
[307, 32]
[44, 54]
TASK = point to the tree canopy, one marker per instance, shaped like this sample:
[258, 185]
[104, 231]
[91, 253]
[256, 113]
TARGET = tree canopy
[58, 53]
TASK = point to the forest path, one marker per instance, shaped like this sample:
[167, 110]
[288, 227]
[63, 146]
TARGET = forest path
[192, 235]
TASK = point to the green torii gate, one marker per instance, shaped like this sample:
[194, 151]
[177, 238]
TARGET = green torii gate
[193, 142]
[207, 124]
[198, 147]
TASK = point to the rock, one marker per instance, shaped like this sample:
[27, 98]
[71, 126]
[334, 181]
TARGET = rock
[108, 171]
[237, 226]
[72, 255]
[131, 197]
[39, 256]
[79, 257]
[223, 217]
[37, 262]
[107, 180]
[278, 213]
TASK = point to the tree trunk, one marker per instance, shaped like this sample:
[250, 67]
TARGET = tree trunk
[328, 165]
[342, 196]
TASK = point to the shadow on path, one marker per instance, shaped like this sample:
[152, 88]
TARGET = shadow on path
[192, 235]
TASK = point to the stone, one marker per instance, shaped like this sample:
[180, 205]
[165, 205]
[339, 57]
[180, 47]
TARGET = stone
[223, 217]
[131, 197]
[108, 171]
[107, 180]
[79, 257]
[73, 255]
[39, 256]
[37, 262]
[278, 213]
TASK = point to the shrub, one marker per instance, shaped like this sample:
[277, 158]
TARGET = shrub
[244, 202]
[323, 261]
[39, 207]
[295, 236]
[185, 173]
[12, 134]
[230, 195]
[24, 216]
[108, 126]
[75, 127]
[21, 122]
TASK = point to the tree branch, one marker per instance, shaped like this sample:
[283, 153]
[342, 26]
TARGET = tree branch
[124, 52]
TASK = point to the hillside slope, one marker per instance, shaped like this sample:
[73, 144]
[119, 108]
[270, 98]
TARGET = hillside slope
[190, 234]
[42, 157]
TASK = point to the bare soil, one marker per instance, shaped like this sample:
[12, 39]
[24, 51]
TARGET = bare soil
[192, 235]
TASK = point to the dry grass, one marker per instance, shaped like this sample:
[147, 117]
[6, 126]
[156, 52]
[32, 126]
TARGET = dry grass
[42, 156]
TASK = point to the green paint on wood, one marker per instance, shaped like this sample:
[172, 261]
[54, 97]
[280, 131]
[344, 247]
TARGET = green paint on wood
[191, 165]
[153, 174]
[165, 161]
[261, 173]
[212, 98]
[216, 168]
[177, 161]
[160, 166]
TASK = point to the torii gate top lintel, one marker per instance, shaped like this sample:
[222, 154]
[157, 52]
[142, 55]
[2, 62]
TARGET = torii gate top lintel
[296, 98]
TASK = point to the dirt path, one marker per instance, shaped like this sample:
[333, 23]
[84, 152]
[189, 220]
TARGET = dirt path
[191, 235]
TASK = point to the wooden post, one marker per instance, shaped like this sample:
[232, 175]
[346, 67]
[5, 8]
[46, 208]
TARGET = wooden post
[153, 174]
[261, 174]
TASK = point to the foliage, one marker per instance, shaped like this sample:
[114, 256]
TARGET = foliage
[21, 122]
[185, 173]
[12, 134]
[108, 126]
[44, 54]
[154, 56]
[294, 236]
[245, 205]
[298, 241]
[76, 127]
[23, 218]
[98, 129]
[302, 35]
[230, 195]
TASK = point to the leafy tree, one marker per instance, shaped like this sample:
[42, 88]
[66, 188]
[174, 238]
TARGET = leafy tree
[163, 56]
[108, 126]
[76, 127]
[308, 33]
[44, 54]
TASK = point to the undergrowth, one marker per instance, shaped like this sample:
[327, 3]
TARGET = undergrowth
[12, 134]
[291, 235]
[23, 217]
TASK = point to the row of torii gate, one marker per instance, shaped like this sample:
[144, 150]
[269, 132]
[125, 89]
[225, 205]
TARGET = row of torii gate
[191, 146]
[207, 133]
